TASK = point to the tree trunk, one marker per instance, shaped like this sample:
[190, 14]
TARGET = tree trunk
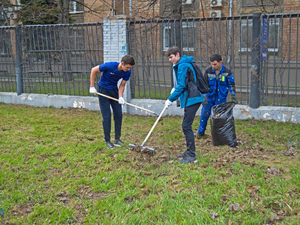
[63, 18]
[63, 6]
[176, 9]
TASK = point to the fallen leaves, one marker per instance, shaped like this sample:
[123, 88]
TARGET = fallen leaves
[234, 207]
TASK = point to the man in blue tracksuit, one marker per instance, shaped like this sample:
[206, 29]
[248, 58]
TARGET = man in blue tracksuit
[190, 98]
[112, 72]
[220, 81]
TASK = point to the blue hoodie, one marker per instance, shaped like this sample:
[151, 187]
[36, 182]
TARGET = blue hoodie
[180, 69]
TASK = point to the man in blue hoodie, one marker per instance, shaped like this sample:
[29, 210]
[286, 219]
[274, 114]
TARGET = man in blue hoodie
[190, 98]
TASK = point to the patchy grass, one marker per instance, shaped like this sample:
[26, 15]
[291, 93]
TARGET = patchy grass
[55, 169]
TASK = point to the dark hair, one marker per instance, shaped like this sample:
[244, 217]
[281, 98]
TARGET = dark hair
[128, 59]
[215, 57]
[173, 50]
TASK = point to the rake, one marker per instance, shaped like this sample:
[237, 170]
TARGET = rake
[142, 148]
[138, 107]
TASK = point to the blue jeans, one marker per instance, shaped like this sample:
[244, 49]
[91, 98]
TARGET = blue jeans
[105, 104]
[188, 119]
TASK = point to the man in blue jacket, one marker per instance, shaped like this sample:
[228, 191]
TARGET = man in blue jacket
[220, 82]
[190, 99]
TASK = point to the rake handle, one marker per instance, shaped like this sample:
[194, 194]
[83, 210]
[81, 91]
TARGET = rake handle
[126, 103]
[162, 112]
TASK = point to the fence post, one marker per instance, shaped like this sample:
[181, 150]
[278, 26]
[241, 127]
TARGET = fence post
[115, 45]
[18, 34]
[255, 62]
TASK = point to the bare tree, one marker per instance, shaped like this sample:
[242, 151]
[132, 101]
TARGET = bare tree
[63, 6]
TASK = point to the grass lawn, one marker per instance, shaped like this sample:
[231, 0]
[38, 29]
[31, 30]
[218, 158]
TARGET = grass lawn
[55, 169]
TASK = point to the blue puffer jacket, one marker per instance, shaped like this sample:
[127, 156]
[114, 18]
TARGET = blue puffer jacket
[180, 69]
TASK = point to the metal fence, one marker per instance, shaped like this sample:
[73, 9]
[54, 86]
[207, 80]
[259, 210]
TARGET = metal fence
[57, 59]
[232, 38]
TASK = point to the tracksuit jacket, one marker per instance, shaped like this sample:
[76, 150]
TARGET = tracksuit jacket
[219, 87]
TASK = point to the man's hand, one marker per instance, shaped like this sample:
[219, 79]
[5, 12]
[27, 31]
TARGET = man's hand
[121, 101]
[234, 98]
[93, 90]
[173, 89]
[168, 103]
[205, 100]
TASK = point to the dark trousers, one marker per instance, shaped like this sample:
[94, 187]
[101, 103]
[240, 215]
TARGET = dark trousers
[105, 104]
[188, 119]
[205, 113]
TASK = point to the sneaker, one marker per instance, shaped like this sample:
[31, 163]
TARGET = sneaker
[188, 159]
[198, 136]
[181, 155]
[109, 144]
[118, 142]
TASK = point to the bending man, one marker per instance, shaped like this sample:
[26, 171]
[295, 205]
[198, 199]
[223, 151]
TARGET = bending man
[112, 73]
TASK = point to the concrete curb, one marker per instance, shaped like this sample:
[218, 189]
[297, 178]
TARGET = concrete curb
[281, 114]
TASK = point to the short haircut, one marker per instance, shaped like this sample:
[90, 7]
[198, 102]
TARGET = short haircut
[128, 59]
[173, 50]
[215, 57]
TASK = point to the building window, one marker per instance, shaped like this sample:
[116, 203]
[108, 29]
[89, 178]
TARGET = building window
[4, 14]
[246, 35]
[5, 43]
[76, 39]
[273, 34]
[259, 3]
[186, 36]
[187, 2]
[18, 6]
[76, 6]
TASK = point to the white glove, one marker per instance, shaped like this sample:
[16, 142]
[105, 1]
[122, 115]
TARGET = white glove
[93, 90]
[168, 103]
[173, 89]
[121, 101]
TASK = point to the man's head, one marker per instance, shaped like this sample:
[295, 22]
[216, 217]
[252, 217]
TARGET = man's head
[127, 62]
[216, 61]
[173, 54]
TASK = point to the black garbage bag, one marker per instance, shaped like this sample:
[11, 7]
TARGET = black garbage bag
[222, 124]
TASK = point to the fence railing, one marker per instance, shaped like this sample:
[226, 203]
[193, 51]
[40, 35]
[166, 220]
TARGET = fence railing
[232, 38]
[57, 59]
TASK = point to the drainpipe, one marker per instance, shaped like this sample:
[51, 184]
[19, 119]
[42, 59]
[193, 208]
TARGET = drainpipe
[130, 8]
[230, 8]
[229, 50]
[114, 7]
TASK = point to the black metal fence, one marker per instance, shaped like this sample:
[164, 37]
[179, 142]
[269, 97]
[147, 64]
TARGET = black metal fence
[57, 59]
[232, 38]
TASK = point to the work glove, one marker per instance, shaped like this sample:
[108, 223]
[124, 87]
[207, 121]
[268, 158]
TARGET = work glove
[93, 90]
[173, 89]
[168, 103]
[234, 98]
[121, 101]
[205, 100]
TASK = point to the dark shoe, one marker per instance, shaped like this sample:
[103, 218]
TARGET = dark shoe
[181, 155]
[188, 159]
[109, 144]
[198, 136]
[118, 143]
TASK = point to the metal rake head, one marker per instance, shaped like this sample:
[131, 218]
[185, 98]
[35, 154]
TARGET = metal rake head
[143, 149]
